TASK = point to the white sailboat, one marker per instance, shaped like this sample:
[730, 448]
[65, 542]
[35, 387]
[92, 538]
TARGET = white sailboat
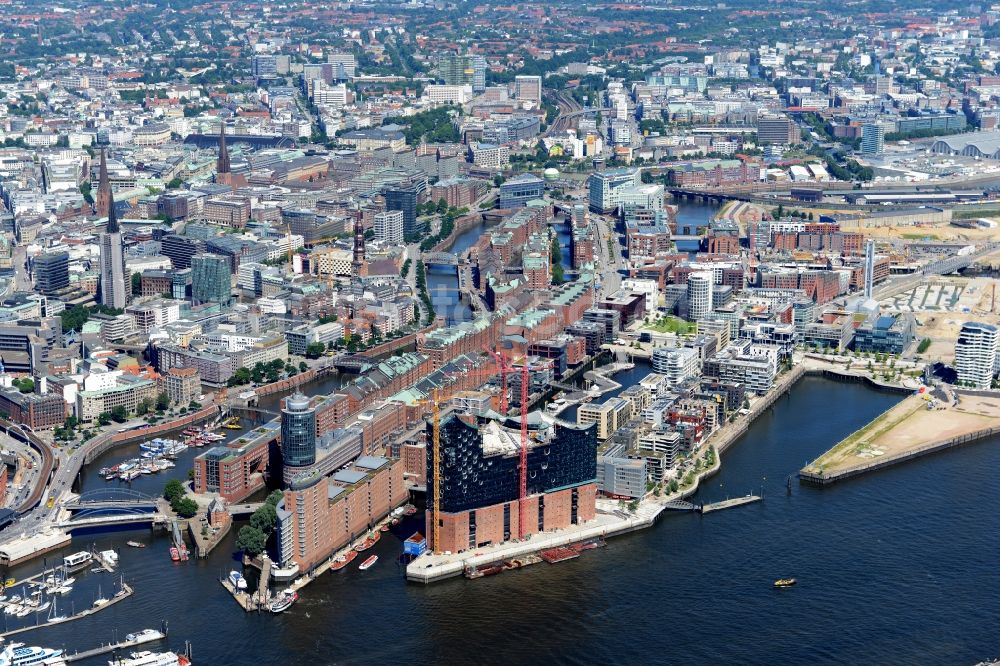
[54, 613]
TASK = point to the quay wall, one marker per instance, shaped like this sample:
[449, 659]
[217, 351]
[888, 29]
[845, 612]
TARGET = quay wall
[852, 378]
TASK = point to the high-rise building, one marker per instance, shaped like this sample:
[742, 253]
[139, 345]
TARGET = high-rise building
[51, 272]
[528, 88]
[604, 188]
[298, 432]
[872, 139]
[389, 226]
[404, 198]
[869, 267]
[976, 354]
[345, 65]
[211, 279]
[455, 69]
[112, 278]
[699, 295]
[478, 74]
[479, 480]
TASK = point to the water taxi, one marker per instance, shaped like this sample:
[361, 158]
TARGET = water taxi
[367, 564]
[784, 582]
[284, 601]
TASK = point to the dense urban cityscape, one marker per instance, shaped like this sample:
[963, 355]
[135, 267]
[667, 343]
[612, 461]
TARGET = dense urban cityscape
[322, 325]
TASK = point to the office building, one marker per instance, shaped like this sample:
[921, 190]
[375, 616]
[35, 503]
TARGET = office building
[51, 272]
[478, 483]
[623, 478]
[237, 470]
[604, 187]
[211, 279]
[112, 278]
[888, 334]
[872, 139]
[298, 433]
[777, 130]
[389, 226]
[976, 354]
[182, 385]
[345, 65]
[519, 190]
[405, 198]
[455, 69]
[528, 89]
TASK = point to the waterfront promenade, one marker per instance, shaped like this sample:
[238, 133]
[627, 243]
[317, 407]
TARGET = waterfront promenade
[915, 427]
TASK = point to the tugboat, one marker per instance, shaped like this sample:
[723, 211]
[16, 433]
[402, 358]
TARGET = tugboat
[784, 582]
[284, 601]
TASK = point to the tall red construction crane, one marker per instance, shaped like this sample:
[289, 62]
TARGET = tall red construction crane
[504, 367]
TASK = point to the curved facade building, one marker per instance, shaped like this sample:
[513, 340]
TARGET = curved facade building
[298, 432]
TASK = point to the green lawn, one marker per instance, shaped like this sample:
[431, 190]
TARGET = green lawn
[671, 325]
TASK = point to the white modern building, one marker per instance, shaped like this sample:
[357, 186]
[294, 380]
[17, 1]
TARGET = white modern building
[699, 295]
[389, 226]
[677, 364]
[976, 354]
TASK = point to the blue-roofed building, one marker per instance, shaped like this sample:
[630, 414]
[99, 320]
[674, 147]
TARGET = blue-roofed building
[886, 334]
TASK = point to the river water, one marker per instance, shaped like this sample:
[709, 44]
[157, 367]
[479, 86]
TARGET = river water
[896, 567]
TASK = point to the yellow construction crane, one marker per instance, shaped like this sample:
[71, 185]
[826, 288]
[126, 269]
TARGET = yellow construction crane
[436, 411]
[435, 403]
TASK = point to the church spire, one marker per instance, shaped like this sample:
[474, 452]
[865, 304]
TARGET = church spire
[112, 214]
[222, 165]
[103, 187]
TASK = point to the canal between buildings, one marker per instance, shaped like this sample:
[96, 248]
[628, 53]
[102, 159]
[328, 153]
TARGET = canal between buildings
[894, 567]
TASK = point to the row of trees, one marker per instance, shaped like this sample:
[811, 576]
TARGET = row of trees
[271, 372]
[183, 506]
[252, 538]
[425, 297]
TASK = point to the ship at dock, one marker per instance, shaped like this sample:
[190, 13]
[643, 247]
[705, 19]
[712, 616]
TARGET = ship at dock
[18, 654]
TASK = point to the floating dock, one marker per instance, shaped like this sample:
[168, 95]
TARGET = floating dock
[729, 503]
[111, 647]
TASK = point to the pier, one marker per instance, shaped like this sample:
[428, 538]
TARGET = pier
[121, 595]
[730, 503]
[145, 637]
[915, 427]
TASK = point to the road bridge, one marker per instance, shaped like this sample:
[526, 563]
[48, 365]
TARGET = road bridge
[439, 259]
[75, 523]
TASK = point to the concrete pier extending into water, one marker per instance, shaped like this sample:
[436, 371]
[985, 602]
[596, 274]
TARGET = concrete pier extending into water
[911, 429]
